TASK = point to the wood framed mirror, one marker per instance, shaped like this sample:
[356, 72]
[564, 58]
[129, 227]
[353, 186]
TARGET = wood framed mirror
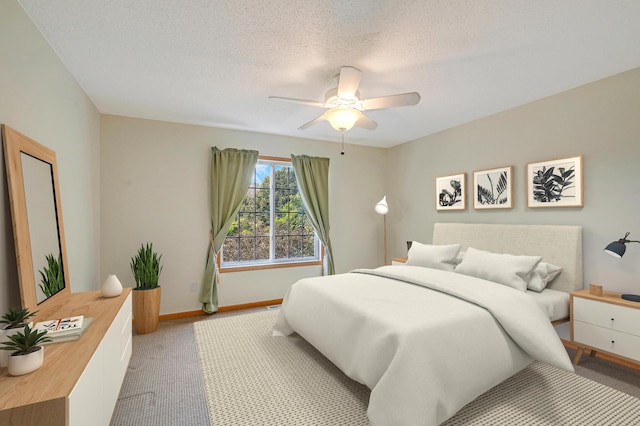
[36, 215]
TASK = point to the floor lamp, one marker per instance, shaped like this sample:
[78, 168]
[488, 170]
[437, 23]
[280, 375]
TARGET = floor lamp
[383, 208]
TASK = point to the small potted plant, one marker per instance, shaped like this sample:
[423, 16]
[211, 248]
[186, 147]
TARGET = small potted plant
[27, 354]
[15, 319]
[146, 269]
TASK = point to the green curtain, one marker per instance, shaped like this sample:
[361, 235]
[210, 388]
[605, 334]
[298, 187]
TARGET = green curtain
[312, 176]
[231, 172]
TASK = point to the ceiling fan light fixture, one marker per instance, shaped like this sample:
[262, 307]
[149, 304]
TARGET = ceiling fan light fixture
[344, 107]
[342, 119]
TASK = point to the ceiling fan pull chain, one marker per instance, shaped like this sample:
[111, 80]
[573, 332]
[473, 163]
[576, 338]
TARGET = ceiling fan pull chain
[342, 133]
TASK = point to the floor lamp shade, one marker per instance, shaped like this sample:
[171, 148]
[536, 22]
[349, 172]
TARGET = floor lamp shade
[382, 207]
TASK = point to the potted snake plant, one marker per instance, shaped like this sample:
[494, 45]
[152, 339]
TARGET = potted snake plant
[27, 354]
[14, 320]
[146, 269]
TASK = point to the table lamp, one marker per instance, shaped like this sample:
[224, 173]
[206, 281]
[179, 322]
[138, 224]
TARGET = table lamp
[617, 249]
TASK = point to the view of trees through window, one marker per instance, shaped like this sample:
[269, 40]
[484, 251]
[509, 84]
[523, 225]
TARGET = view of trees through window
[271, 225]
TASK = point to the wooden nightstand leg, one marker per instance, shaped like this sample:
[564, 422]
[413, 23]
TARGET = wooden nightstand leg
[593, 354]
[579, 352]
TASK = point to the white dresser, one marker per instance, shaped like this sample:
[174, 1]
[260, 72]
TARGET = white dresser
[79, 382]
[104, 374]
[606, 324]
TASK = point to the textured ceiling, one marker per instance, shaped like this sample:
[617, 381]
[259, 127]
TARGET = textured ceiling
[215, 62]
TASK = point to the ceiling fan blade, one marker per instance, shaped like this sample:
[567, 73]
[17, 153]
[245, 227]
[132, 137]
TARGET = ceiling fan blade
[298, 101]
[403, 99]
[366, 122]
[312, 122]
[348, 82]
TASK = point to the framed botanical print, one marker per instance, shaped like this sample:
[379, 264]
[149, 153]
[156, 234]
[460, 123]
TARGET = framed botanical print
[555, 183]
[493, 189]
[451, 192]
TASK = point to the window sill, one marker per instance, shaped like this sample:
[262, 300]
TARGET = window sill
[243, 268]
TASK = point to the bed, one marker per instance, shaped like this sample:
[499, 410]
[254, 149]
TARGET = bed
[559, 245]
[427, 341]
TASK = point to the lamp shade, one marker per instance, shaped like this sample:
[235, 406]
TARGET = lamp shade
[342, 119]
[382, 207]
[616, 249]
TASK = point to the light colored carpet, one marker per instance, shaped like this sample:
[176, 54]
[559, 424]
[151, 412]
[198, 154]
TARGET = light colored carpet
[544, 395]
[252, 378]
[163, 384]
[608, 373]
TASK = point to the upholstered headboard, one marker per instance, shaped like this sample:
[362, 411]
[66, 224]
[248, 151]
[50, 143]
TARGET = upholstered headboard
[557, 244]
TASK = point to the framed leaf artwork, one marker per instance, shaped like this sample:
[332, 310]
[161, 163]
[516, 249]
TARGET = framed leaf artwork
[493, 189]
[555, 183]
[451, 192]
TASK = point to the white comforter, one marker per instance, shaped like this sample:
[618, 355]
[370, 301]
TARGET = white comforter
[423, 353]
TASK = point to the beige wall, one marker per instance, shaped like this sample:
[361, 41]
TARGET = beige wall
[598, 120]
[155, 189]
[40, 99]
[130, 181]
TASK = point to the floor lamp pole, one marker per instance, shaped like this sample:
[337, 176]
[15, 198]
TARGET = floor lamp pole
[383, 208]
[385, 239]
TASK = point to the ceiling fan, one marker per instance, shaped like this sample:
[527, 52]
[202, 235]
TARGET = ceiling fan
[344, 106]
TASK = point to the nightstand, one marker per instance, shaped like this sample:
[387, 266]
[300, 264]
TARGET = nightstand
[398, 260]
[605, 323]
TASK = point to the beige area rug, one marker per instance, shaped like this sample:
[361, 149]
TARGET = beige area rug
[252, 378]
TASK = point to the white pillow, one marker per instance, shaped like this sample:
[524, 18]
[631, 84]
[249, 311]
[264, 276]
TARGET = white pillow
[542, 275]
[507, 269]
[433, 256]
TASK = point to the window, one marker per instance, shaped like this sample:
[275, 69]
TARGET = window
[271, 227]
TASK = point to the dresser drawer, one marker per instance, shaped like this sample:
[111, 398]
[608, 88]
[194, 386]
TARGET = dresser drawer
[607, 315]
[612, 341]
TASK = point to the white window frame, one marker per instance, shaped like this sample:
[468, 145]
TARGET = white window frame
[272, 262]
